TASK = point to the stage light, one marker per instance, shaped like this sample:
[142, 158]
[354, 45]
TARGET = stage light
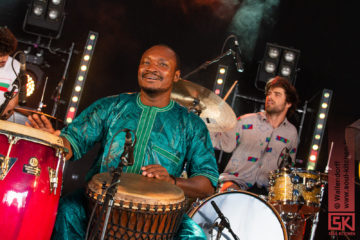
[285, 71]
[220, 79]
[81, 76]
[56, 2]
[273, 52]
[277, 61]
[269, 67]
[45, 18]
[289, 56]
[34, 76]
[319, 129]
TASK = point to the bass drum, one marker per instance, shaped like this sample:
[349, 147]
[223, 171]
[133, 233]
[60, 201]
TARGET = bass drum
[250, 217]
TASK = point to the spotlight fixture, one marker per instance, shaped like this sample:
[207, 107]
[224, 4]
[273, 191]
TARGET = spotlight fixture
[319, 128]
[81, 77]
[220, 79]
[278, 60]
[45, 18]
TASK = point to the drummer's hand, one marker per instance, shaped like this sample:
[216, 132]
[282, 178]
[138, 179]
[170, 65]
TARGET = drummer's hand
[157, 171]
[227, 186]
[42, 123]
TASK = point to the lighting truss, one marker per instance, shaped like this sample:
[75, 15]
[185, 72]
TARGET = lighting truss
[221, 75]
[81, 77]
[319, 129]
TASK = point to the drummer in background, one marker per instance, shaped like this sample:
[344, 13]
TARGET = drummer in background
[167, 136]
[259, 140]
[8, 45]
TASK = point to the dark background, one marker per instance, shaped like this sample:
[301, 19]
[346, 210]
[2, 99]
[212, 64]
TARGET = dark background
[325, 32]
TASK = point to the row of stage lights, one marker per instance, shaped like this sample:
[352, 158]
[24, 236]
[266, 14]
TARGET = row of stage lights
[81, 77]
[319, 128]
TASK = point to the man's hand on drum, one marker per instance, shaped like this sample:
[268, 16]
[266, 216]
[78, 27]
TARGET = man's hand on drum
[42, 123]
[228, 186]
[157, 171]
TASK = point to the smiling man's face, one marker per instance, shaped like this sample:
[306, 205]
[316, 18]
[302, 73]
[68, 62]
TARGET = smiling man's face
[157, 70]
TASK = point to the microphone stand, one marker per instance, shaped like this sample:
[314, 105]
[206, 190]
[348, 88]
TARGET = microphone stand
[126, 159]
[8, 96]
[208, 63]
[224, 223]
[58, 90]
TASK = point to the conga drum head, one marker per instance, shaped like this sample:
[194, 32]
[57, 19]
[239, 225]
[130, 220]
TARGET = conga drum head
[144, 208]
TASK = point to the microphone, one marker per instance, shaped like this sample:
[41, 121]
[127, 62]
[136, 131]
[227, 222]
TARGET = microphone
[128, 153]
[220, 214]
[237, 56]
[285, 163]
[22, 80]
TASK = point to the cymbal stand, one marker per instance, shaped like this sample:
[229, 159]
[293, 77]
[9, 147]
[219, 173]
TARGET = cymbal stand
[58, 90]
[41, 103]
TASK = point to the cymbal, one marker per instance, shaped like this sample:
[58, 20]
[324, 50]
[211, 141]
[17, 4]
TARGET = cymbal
[212, 109]
[28, 111]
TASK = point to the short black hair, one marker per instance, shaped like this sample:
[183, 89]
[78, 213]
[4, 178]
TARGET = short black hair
[290, 91]
[177, 58]
[8, 42]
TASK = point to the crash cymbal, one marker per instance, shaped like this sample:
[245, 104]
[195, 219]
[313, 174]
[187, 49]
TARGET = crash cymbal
[28, 111]
[216, 113]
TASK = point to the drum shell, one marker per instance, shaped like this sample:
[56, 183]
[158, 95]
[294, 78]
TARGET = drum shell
[292, 196]
[131, 218]
[28, 207]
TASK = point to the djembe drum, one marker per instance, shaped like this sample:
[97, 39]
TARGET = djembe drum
[144, 208]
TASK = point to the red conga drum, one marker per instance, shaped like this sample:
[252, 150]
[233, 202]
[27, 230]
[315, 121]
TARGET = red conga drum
[144, 208]
[31, 166]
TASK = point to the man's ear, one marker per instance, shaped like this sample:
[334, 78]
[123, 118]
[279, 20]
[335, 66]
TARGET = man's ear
[177, 76]
[288, 105]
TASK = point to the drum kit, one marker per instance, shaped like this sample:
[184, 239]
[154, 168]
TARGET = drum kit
[31, 169]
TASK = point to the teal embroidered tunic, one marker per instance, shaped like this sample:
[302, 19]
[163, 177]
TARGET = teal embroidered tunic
[169, 136]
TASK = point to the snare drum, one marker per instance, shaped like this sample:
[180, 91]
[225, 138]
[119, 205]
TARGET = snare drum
[295, 190]
[144, 208]
[31, 167]
[250, 217]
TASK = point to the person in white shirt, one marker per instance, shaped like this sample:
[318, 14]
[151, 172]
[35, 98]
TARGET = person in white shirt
[9, 69]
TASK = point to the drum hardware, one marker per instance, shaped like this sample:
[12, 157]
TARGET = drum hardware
[53, 174]
[5, 162]
[224, 223]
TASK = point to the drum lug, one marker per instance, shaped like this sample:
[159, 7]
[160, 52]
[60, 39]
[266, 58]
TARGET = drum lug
[4, 162]
[53, 180]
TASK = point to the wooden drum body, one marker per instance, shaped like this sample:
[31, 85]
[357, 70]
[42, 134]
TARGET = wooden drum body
[144, 208]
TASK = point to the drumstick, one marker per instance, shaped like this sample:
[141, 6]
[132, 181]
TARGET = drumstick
[230, 90]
